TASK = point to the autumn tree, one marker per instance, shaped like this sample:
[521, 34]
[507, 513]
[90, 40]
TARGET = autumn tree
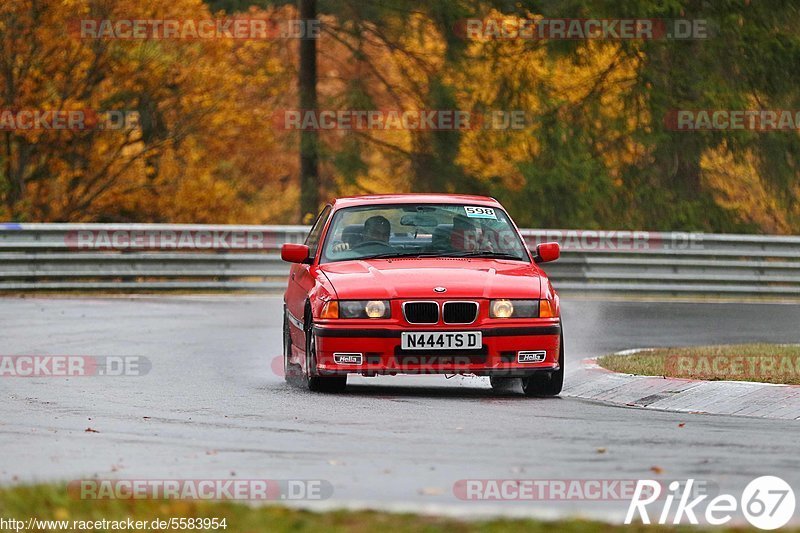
[198, 148]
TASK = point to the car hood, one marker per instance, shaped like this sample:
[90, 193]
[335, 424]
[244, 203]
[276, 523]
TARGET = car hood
[416, 278]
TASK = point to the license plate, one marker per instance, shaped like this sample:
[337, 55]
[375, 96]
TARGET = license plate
[441, 340]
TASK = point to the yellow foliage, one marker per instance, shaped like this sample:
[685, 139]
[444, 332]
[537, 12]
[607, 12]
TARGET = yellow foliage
[737, 186]
[203, 149]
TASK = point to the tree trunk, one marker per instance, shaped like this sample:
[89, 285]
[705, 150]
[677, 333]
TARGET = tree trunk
[309, 150]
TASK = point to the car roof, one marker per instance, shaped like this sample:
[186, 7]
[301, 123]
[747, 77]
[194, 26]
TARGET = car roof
[414, 198]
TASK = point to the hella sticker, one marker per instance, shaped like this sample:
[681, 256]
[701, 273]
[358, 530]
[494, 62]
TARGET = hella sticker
[531, 357]
[347, 358]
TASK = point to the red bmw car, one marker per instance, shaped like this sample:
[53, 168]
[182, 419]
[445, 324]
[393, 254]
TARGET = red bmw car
[420, 283]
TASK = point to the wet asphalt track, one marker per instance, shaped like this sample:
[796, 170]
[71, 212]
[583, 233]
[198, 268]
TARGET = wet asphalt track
[211, 407]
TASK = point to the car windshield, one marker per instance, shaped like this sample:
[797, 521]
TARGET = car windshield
[422, 230]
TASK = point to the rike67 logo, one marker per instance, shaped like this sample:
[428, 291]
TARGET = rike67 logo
[767, 502]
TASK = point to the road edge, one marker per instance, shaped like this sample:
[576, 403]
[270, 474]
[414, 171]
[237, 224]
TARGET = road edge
[734, 398]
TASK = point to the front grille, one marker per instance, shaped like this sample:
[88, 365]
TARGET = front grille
[460, 312]
[421, 312]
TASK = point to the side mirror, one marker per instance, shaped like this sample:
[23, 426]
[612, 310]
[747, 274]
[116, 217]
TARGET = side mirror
[547, 251]
[294, 253]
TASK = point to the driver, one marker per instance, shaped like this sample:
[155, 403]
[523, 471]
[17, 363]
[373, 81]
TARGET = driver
[376, 229]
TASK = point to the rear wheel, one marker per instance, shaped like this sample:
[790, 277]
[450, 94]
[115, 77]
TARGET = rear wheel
[315, 382]
[544, 385]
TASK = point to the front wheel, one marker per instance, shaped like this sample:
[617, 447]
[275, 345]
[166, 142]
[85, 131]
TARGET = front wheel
[315, 382]
[544, 385]
[291, 371]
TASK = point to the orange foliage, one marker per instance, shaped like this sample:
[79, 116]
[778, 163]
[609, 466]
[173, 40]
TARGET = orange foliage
[200, 149]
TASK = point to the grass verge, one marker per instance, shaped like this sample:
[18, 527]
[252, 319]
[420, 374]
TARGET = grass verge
[766, 363]
[51, 502]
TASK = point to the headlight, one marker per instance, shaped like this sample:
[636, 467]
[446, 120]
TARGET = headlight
[501, 309]
[514, 309]
[364, 309]
[375, 309]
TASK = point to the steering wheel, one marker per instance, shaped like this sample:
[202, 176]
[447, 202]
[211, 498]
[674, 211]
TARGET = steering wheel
[365, 244]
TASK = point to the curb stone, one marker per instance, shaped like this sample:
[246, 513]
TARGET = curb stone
[737, 398]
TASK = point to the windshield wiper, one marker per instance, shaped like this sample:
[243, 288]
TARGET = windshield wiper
[487, 254]
[479, 254]
[387, 255]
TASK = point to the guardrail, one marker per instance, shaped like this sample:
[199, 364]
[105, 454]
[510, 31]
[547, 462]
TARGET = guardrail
[137, 257]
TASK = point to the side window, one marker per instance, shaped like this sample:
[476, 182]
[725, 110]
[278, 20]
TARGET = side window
[312, 241]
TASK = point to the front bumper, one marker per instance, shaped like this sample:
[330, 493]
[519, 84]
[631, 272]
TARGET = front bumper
[379, 348]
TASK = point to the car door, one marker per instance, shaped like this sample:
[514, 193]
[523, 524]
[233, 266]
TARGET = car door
[300, 279]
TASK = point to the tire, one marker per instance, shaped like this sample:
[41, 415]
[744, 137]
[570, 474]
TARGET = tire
[291, 371]
[544, 385]
[314, 382]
